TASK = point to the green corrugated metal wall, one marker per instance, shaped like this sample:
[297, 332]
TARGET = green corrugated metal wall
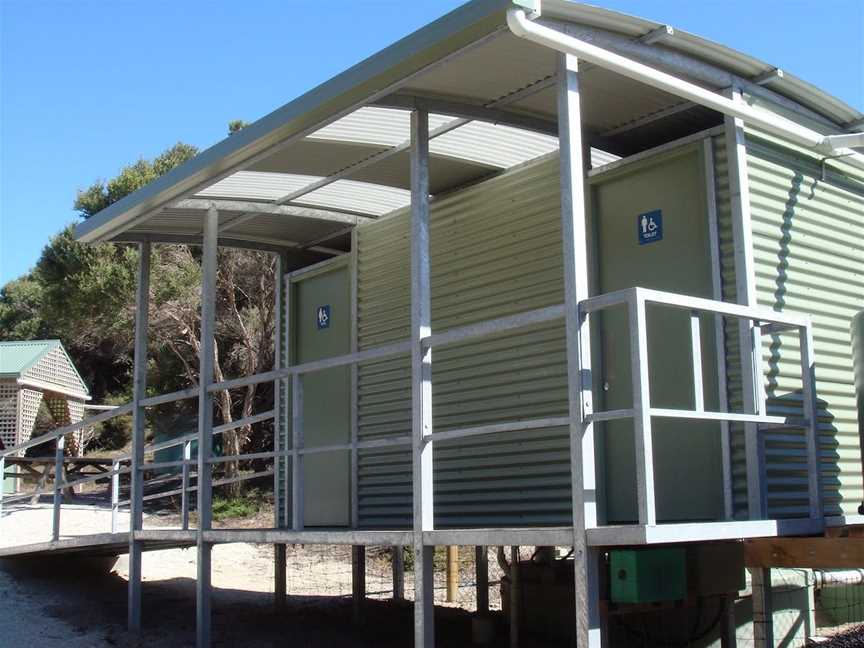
[495, 251]
[733, 364]
[499, 242]
[808, 236]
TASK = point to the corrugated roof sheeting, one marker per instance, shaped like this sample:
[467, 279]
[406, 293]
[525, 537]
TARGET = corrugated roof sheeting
[495, 251]
[474, 149]
[364, 197]
[492, 64]
[16, 356]
[739, 63]
[374, 125]
[360, 197]
[257, 185]
[493, 144]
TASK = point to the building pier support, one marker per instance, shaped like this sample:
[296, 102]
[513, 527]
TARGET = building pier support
[750, 345]
[398, 565]
[358, 582]
[205, 423]
[421, 382]
[139, 388]
[579, 379]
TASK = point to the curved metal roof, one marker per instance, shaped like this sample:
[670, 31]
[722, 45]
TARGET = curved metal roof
[370, 130]
[299, 175]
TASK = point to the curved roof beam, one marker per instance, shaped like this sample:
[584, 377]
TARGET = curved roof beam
[250, 209]
[471, 112]
[227, 204]
[304, 254]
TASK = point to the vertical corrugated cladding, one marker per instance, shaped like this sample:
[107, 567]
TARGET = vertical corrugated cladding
[808, 238]
[496, 251]
[729, 292]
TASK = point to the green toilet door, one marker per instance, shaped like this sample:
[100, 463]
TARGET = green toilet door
[322, 325]
[651, 230]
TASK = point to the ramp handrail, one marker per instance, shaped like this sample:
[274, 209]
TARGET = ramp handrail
[58, 437]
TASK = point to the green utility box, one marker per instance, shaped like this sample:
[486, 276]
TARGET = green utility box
[648, 575]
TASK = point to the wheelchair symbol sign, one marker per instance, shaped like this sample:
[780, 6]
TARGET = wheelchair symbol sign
[650, 227]
[322, 317]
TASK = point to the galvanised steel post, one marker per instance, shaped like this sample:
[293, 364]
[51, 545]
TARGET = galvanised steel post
[421, 382]
[280, 461]
[184, 478]
[576, 288]
[115, 495]
[58, 493]
[205, 423]
[139, 387]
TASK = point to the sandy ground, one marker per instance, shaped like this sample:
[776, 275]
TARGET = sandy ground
[81, 604]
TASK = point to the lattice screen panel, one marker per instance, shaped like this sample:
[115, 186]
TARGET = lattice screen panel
[56, 369]
[30, 401]
[8, 413]
[64, 412]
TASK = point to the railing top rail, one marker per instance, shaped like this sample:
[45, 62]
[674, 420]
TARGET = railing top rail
[161, 399]
[68, 429]
[219, 429]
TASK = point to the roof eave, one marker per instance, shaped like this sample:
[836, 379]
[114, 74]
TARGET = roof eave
[373, 77]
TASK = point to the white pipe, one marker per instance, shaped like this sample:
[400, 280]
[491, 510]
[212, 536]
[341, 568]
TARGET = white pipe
[523, 27]
[845, 578]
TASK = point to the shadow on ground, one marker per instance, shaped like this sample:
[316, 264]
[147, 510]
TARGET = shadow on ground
[86, 597]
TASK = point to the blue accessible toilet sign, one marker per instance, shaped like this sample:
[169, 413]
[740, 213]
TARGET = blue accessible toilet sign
[322, 317]
[650, 227]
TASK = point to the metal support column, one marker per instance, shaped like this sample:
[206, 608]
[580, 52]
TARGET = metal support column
[421, 382]
[579, 379]
[750, 345]
[763, 609]
[515, 597]
[728, 625]
[205, 423]
[280, 505]
[60, 444]
[115, 494]
[184, 476]
[355, 394]
[398, 574]
[481, 577]
[749, 336]
[642, 435]
[136, 476]
[358, 582]
[297, 444]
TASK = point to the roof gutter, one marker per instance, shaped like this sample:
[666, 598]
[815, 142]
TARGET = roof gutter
[524, 27]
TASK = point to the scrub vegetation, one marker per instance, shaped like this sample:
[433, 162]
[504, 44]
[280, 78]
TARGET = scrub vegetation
[84, 295]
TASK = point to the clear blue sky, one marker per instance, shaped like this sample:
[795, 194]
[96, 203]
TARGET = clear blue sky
[90, 85]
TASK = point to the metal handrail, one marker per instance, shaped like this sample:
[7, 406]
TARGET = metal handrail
[635, 300]
[61, 432]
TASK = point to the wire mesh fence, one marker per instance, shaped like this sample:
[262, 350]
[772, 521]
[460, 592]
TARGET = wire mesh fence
[839, 606]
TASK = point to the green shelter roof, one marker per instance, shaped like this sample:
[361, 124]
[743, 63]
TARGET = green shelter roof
[18, 356]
